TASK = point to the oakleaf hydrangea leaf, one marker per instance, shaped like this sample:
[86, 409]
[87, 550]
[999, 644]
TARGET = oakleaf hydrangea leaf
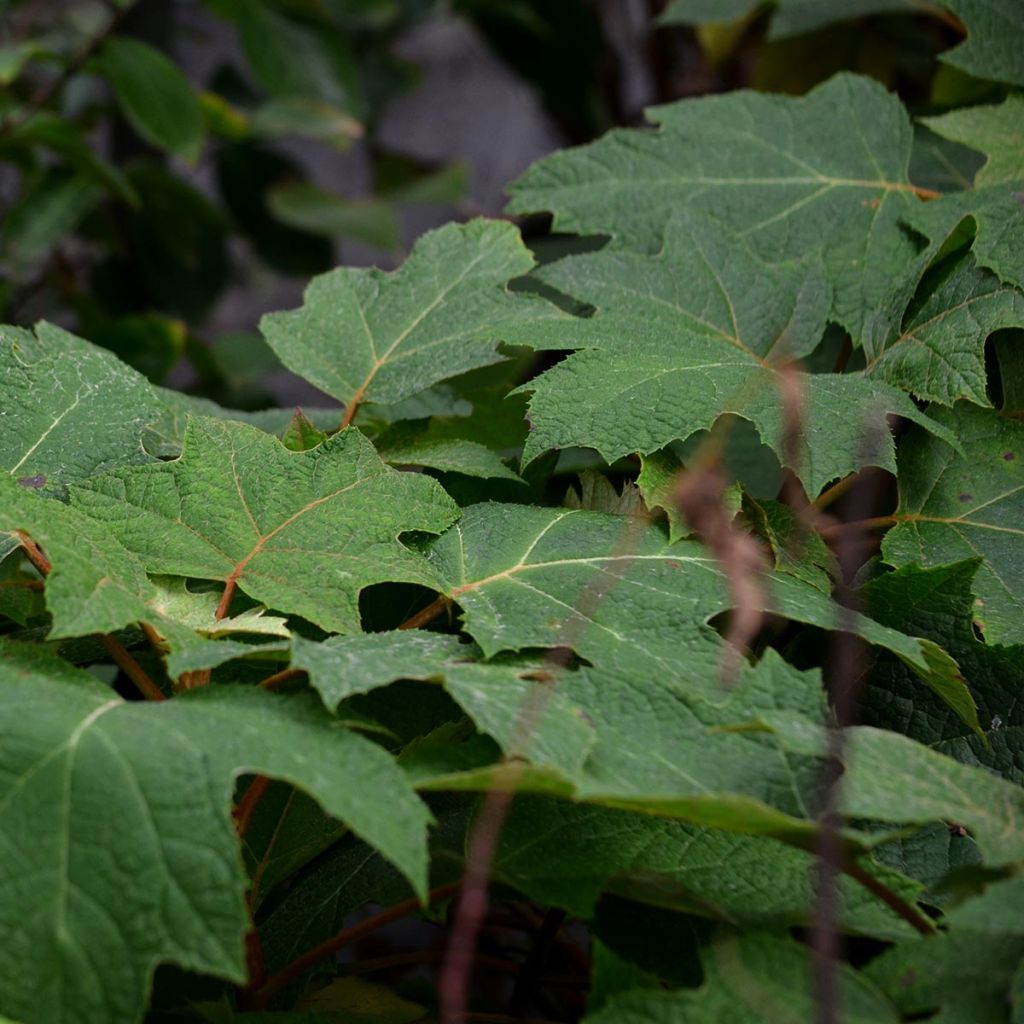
[621, 595]
[703, 329]
[68, 408]
[940, 353]
[155, 782]
[992, 48]
[301, 532]
[997, 131]
[954, 507]
[366, 336]
[824, 176]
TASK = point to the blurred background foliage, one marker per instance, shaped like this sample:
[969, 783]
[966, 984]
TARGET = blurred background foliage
[171, 169]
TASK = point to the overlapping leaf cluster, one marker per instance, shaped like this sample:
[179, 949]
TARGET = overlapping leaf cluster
[390, 607]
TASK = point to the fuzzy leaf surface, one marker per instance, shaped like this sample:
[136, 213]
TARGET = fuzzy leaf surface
[155, 781]
[363, 335]
[954, 507]
[824, 176]
[300, 532]
[703, 329]
[69, 408]
[996, 131]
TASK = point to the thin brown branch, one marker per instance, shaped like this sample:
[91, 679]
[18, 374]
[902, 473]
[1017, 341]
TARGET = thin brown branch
[428, 614]
[21, 584]
[131, 668]
[300, 965]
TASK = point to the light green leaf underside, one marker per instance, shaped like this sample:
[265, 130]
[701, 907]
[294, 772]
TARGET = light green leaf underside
[996, 131]
[703, 329]
[155, 781]
[363, 335]
[300, 532]
[954, 507]
[67, 408]
[568, 854]
[757, 978]
[823, 177]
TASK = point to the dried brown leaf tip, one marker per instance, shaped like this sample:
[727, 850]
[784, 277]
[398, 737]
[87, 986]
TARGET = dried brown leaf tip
[700, 497]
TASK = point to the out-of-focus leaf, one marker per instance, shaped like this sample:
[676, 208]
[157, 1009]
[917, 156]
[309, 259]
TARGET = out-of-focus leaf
[154, 95]
[306, 207]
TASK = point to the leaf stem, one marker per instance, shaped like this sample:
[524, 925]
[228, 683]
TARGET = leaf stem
[131, 668]
[284, 676]
[225, 599]
[428, 614]
[300, 965]
[250, 801]
[909, 913]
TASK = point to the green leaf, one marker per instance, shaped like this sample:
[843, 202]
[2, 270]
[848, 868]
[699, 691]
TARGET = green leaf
[512, 703]
[568, 854]
[994, 31]
[405, 444]
[791, 17]
[301, 532]
[757, 978]
[69, 409]
[940, 353]
[967, 975]
[995, 131]
[620, 594]
[48, 210]
[96, 586]
[703, 329]
[367, 336]
[954, 507]
[822, 177]
[155, 96]
[155, 781]
[891, 778]
[938, 603]
[305, 206]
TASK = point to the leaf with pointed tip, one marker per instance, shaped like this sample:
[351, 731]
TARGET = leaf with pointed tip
[996, 131]
[703, 329]
[824, 176]
[954, 507]
[69, 408]
[616, 591]
[301, 532]
[155, 781]
[939, 355]
[406, 445]
[366, 336]
[757, 978]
